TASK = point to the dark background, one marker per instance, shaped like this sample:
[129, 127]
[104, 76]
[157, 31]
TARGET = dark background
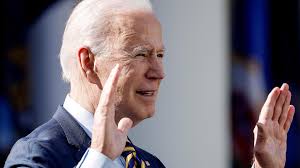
[15, 101]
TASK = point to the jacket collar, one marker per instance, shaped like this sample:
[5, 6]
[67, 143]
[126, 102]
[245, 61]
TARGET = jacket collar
[74, 133]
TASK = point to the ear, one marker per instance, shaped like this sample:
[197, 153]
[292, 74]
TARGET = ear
[87, 61]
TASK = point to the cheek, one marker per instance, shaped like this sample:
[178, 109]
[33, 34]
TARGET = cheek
[132, 76]
[133, 70]
[126, 80]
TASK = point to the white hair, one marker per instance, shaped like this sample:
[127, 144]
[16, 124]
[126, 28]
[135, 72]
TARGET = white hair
[87, 27]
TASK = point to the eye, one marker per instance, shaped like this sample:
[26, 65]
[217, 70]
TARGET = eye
[161, 55]
[141, 55]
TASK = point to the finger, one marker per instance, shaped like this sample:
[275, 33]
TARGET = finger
[285, 109]
[109, 89]
[289, 119]
[124, 125]
[280, 101]
[268, 108]
[260, 134]
[255, 134]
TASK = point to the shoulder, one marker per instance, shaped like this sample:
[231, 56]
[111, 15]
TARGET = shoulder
[46, 132]
[50, 133]
[39, 148]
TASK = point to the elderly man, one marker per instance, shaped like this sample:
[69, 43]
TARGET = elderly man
[112, 55]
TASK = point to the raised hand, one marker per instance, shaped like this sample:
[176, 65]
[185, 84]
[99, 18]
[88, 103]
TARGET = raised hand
[270, 133]
[108, 137]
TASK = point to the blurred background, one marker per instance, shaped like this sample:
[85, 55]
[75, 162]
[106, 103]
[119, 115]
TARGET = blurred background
[223, 57]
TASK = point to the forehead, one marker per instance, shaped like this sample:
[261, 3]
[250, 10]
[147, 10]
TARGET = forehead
[130, 30]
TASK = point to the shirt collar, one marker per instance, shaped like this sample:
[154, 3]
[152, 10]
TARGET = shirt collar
[81, 115]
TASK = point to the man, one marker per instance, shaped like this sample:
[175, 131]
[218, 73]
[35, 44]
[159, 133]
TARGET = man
[112, 55]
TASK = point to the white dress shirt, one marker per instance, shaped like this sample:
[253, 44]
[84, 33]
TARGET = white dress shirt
[91, 157]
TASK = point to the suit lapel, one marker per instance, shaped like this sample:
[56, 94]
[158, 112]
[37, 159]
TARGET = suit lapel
[75, 135]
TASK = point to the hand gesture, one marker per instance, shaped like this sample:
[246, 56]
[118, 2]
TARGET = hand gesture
[270, 133]
[108, 137]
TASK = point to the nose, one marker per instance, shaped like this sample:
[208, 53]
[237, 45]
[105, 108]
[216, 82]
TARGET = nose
[156, 70]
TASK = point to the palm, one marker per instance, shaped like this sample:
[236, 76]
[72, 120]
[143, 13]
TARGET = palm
[118, 139]
[272, 128]
[272, 144]
[277, 140]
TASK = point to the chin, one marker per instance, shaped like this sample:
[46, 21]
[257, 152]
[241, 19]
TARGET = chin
[144, 114]
[148, 113]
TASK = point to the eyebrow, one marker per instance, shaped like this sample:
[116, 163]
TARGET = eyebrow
[162, 49]
[147, 49]
[141, 49]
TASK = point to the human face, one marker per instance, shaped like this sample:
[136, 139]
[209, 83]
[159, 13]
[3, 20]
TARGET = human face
[139, 50]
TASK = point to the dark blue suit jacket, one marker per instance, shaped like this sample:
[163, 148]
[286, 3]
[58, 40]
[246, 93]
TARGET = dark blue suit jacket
[60, 142]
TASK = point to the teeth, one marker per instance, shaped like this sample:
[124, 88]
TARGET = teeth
[146, 93]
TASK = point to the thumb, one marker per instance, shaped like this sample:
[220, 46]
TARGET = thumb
[124, 125]
[261, 133]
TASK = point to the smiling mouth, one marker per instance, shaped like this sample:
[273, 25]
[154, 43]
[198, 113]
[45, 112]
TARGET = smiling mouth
[146, 92]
